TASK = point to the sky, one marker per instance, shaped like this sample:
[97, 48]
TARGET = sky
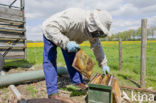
[126, 14]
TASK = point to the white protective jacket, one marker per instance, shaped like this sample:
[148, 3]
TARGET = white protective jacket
[72, 25]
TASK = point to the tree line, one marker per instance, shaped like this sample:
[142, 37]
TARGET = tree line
[132, 34]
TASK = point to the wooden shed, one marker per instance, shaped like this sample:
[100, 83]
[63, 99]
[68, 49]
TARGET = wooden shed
[12, 32]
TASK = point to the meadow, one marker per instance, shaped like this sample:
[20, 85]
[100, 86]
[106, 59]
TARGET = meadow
[129, 75]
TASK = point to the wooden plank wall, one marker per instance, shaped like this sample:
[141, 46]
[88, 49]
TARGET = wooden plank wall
[11, 14]
[12, 28]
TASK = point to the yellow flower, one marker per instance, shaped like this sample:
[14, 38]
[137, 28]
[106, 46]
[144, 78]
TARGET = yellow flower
[40, 44]
[86, 43]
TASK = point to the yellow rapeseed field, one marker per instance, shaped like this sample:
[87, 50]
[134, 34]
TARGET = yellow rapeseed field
[86, 43]
[40, 44]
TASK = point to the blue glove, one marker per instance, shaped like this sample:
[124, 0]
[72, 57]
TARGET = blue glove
[72, 46]
[105, 69]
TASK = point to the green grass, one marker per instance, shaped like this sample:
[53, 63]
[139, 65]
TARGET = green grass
[74, 90]
[130, 73]
[32, 90]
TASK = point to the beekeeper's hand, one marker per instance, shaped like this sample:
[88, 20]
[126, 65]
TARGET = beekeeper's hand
[105, 69]
[72, 46]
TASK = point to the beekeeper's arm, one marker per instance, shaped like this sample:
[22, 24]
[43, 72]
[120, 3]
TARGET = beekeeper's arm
[99, 54]
[54, 33]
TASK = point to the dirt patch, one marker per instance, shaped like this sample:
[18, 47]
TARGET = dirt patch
[37, 89]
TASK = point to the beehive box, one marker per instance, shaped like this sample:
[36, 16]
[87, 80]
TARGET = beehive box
[104, 89]
[99, 93]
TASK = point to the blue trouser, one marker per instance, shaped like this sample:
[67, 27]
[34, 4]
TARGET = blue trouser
[50, 66]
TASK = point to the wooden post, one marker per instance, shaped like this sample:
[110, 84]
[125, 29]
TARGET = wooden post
[22, 6]
[143, 52]
[120, 53]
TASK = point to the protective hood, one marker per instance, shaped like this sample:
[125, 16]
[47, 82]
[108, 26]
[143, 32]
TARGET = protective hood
[90, 23]
[103, 20]
[99, 19]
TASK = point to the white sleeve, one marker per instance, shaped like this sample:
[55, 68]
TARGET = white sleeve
[98, 51]
[54, 34]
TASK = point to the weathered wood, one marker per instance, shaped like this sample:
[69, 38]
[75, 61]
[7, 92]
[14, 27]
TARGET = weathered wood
[97, 79]
[16, 30]
[14, 57]
[12, 28]
[120, 53]
[116, 91]
[83, 63]
[105, 80]
[10, 40]
[11, 14]
[13, 49]
[110, 80]
[11, 17]
[25, 49]
[143, 52]
[4, 25]
[6, 35]
[5, 46]
[138, 89]
[12, 53]
[10, 45]
[11, 23]
[22, 6]
[15, 91]
[11, 11]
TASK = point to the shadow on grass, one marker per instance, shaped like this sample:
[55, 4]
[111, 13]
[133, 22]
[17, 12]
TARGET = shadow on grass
[75, 91]
[152, 80]
[14, 64]
[115, 67]
[126, 78]
[65, 84]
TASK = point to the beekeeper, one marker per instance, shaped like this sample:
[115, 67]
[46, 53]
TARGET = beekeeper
[67, 30]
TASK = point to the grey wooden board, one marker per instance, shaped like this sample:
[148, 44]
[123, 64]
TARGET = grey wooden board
[13, 29]
[8, 21]
[9, 39]
[17, 30]
[3, 24]
[11, 14]
[13, 53]
[7, 45]
[11, 42]
[14, 57]
[6, 41]
[11, 11]
[13, 49]
[12, 35]
[12, 46]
